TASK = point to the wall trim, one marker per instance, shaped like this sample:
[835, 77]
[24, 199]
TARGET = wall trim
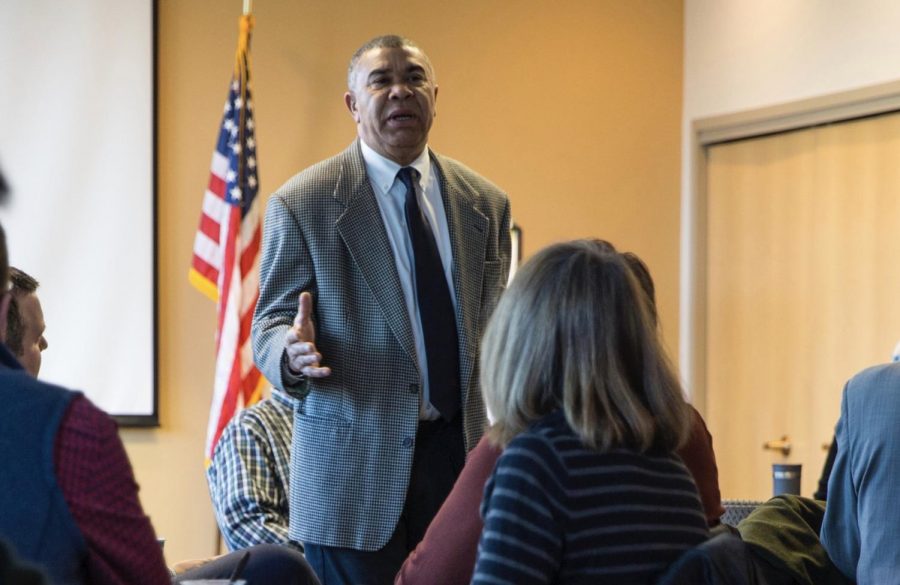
[836, 107]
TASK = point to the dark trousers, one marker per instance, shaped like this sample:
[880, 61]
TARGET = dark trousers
[268, 564]
[437, 460]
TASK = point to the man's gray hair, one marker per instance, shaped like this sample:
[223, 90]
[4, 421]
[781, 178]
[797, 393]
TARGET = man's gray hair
[383, 42]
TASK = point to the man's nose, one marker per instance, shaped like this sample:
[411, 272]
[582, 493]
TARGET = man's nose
[400, 90]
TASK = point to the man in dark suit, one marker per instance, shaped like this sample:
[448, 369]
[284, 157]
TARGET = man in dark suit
[398, 256]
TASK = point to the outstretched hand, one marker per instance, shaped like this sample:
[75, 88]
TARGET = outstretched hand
[300, 343]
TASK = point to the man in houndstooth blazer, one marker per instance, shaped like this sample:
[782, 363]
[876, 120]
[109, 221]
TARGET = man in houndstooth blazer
[372, 460]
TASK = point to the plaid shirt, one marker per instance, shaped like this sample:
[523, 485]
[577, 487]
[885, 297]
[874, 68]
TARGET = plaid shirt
[248, 475]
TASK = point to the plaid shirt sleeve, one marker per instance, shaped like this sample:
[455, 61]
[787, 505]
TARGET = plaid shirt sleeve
[248, 475]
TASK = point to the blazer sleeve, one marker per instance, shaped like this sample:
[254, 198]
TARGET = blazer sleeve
[286, 269]
[840, 528]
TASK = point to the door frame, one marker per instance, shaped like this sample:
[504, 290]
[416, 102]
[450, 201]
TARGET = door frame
[706, 132]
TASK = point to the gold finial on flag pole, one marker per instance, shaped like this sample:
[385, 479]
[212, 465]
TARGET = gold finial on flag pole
[245, 25]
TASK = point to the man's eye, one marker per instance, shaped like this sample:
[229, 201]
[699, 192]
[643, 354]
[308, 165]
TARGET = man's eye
[378, 82]
[417, 78]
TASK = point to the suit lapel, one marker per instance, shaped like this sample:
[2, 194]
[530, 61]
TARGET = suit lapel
[468, 235]
[362, 229]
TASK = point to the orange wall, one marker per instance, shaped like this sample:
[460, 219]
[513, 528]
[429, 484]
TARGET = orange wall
[574, 107]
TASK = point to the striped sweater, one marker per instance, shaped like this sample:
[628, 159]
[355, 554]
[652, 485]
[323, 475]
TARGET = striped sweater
[558, 512]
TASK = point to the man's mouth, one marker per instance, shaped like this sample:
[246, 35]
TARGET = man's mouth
[401, 117]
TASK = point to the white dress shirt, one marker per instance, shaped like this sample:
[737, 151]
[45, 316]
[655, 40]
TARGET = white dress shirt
[391, 196]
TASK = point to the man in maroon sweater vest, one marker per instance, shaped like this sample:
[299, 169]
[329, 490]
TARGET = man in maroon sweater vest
[90, 491]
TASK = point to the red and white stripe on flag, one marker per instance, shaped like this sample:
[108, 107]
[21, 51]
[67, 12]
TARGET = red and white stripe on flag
[225, 265]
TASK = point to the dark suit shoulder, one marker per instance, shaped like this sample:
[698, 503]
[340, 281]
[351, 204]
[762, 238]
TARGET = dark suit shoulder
[881, 380]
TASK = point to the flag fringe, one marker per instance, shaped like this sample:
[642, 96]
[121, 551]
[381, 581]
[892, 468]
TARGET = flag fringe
[204, 285]
[257, 392]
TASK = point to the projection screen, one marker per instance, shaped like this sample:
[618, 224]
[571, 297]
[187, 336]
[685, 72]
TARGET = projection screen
[77, 151]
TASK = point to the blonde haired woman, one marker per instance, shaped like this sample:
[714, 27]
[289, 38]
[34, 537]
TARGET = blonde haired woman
[588, 488]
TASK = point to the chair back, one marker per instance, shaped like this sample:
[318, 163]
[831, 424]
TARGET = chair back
[737, 510]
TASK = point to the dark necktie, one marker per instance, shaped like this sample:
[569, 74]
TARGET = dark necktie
[435, 306]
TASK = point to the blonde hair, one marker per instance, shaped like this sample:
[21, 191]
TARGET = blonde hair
[575, 331]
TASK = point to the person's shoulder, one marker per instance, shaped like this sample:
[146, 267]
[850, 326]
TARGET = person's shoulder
[260, 423]
[552, 426]
[86, 417]
[544, 438]
[537, 456]
[875, 389]
[262, 415]
[883, 376]
[21, 381]
[320, 179]
[247, 423]
[459, 174]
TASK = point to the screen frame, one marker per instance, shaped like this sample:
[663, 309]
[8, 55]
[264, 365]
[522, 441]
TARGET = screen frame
[151, 419]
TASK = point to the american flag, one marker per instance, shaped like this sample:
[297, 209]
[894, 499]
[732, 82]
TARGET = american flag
[225, 265]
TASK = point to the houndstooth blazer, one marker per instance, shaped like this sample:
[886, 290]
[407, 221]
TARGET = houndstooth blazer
[354, 431]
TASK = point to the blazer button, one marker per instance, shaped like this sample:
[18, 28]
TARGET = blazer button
[407, 442]
[413, 388]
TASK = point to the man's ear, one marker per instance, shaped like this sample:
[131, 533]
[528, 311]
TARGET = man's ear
[4, 312]
[350, 101]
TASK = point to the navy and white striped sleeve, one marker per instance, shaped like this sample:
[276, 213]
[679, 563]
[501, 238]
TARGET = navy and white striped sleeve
[523, 527]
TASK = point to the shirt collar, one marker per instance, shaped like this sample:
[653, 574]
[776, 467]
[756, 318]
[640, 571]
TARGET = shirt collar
[7, 359]
[383, 171]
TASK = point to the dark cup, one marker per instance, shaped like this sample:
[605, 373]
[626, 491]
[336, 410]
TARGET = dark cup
[786, 478]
